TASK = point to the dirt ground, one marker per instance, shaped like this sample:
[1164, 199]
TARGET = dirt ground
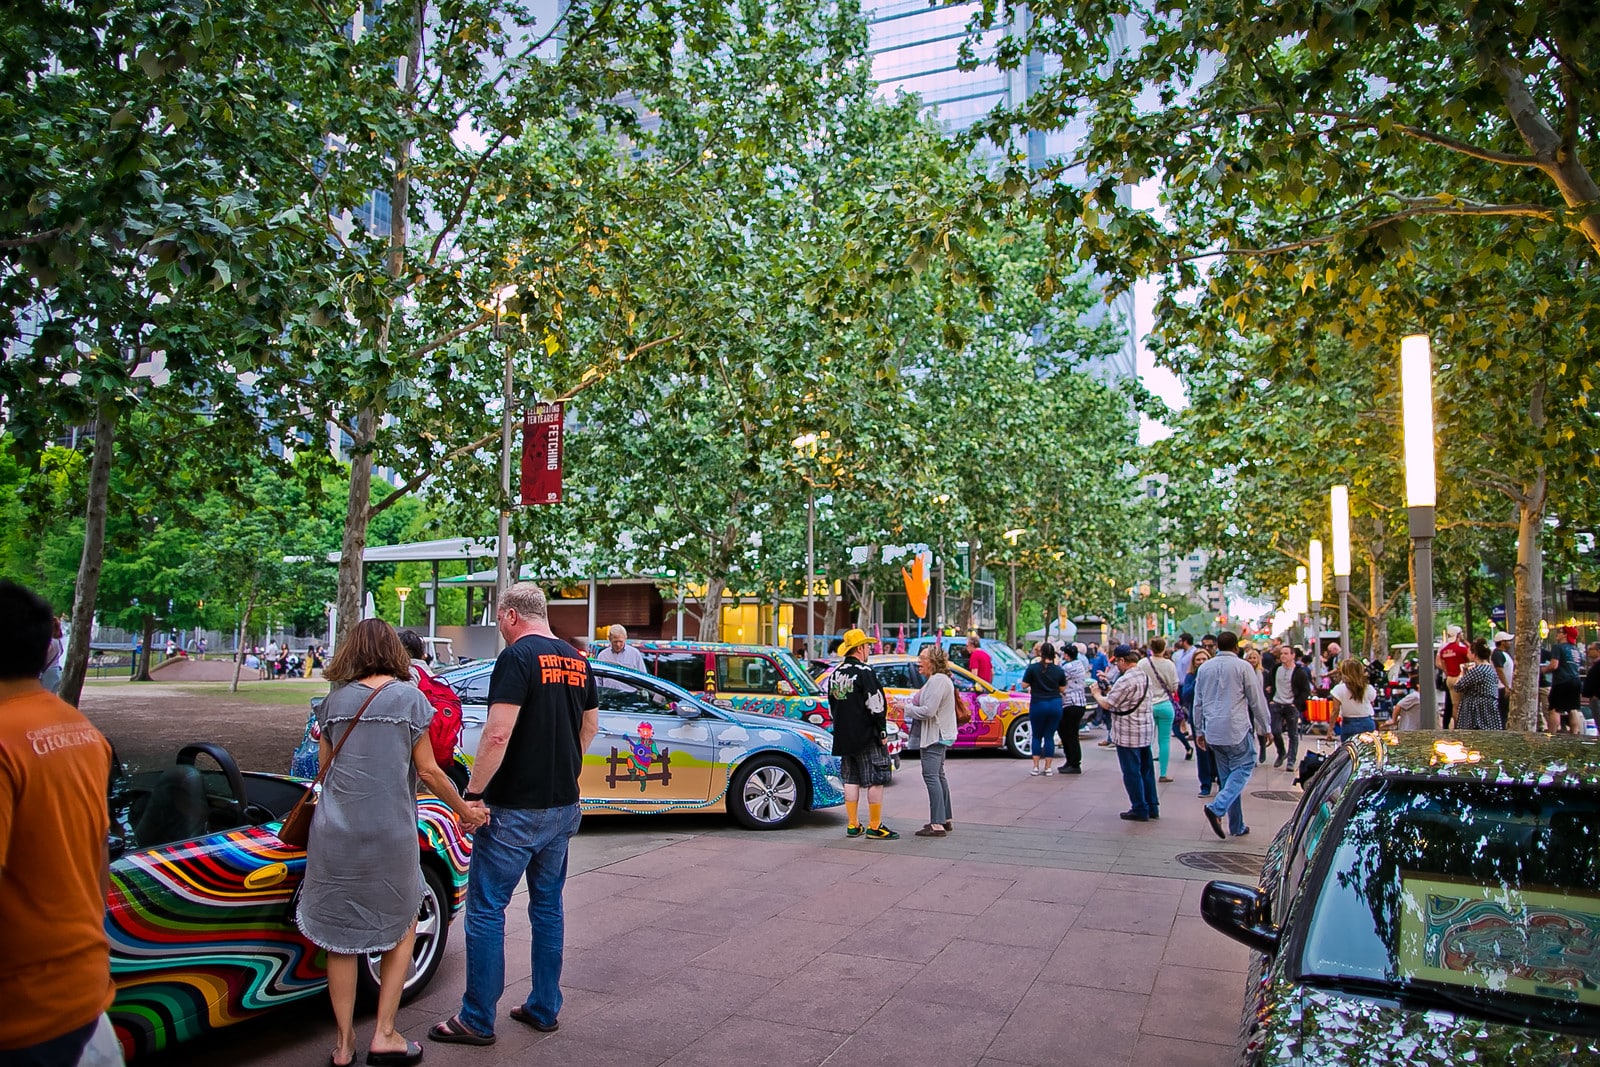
[149, 722]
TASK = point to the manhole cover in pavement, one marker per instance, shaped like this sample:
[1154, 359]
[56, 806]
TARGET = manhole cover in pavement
[1246, 863]
[1290, 795]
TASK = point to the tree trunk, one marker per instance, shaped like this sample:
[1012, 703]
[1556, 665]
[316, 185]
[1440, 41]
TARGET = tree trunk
[148, 629]
[357, 513]
[711, 612]
[1530, 608]
[244, 628]
[94, 551]
[1377, 617]
[830, 607]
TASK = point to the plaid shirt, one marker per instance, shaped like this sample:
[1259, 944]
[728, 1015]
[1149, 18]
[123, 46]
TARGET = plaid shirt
[1136, 728]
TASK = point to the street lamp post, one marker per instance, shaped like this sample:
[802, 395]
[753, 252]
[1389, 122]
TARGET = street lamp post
[1302, 583]
[806, 444]
[1416, 398]
[1339, 505]
[1316, 599]
[1011, 629]
[502, 570]
[402, 591]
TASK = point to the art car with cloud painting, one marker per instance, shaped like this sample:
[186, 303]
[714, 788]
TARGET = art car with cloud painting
[661, 749]
[1434, 900]
[201, 910]
[999, 718]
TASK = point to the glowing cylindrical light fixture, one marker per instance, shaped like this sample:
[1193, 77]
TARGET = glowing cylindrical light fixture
[1339, 499]
[1416, 402]
[1316, 571]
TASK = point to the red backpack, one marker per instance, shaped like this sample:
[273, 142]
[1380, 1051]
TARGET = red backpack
[445, 728]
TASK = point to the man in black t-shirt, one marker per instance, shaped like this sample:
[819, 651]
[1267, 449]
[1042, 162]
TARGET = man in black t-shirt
[543, 712]
[860, 730]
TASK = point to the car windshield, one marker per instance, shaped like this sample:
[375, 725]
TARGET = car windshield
[797, 676]
[1004, 655]
[1467, 895]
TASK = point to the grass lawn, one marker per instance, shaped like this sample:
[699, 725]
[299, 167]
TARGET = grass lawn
[286, 691]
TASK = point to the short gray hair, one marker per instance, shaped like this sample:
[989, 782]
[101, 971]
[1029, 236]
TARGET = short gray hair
[616, 629]
[525, 598]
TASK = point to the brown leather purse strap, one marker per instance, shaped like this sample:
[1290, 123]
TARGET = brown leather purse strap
[322, 772]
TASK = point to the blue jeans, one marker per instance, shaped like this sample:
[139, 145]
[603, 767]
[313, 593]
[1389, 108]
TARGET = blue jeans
[1045, 718]
[1351, 727]
[1235, 764]
[516, 842]
[1139, 779]
[1206, 764]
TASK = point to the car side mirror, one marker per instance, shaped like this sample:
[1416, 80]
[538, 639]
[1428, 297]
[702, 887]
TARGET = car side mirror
[687, 711]
[785, 689]
[1240, 912]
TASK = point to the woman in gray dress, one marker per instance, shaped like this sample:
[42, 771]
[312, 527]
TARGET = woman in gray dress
[356, 899]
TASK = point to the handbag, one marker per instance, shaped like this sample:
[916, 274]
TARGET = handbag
[296, 828]
[963, 710]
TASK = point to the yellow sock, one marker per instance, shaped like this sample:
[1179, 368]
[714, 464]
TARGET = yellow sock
[850, 808]
[874, 815]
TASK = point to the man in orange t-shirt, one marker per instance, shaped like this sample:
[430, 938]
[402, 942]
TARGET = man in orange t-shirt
[55, 972]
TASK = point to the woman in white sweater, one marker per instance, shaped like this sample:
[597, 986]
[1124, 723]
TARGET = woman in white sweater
[933, 708]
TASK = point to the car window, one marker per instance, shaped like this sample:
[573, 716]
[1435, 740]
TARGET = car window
[746, 674]
[473, 688]
[796, 675]
[631, 698]
[165, 805]
[1004, 655]
[1474, 893]
[898, 675]
[965, 683]
[1312, 817]
[686, 669]
[959, 653]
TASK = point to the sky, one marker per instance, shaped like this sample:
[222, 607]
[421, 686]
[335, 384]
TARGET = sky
[1160, 381]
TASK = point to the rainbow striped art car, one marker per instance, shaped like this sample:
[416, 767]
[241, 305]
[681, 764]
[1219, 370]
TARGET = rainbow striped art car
[201, 910]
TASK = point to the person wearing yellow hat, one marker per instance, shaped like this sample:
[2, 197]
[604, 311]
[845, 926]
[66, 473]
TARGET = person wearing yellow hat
[860, 735]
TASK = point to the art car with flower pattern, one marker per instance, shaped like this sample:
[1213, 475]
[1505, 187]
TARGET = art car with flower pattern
[1431, 902]
[999, 718]
[200, 914]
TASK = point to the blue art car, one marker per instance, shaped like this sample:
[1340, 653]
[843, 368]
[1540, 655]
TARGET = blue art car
[661, 749]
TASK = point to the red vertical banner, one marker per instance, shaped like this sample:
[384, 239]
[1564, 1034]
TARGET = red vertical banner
[542, 427]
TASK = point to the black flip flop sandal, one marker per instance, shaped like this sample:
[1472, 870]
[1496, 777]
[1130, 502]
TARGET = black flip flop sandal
[412, 1054]
[454, 1032]
[525, 1017]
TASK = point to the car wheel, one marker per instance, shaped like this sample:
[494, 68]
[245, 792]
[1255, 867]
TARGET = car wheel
[1019, 738]
[767, 793]
[427, 949]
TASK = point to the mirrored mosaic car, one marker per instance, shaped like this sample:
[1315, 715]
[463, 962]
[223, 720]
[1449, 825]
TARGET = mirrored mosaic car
[1434, 900]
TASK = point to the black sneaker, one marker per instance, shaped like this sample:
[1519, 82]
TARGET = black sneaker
[1215, 820]
[882, 833]
[1072, 770]
[1131, 817]
[853, 831]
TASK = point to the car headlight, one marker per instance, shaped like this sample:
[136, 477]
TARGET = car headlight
[821, 740]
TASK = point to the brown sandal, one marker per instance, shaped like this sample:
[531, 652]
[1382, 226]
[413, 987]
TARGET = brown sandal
[931, 830]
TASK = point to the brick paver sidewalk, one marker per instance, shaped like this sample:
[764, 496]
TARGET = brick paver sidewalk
[1045, 929]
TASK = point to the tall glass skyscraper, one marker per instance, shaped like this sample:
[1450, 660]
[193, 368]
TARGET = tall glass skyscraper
[916, 49]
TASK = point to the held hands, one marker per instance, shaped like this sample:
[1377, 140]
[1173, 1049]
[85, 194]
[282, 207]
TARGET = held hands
[477, 814]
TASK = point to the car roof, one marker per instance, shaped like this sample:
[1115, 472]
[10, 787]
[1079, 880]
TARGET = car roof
[707, 646]
[1486, 756]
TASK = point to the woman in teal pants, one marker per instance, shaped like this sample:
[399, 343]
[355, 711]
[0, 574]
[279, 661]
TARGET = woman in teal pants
[1164, 676]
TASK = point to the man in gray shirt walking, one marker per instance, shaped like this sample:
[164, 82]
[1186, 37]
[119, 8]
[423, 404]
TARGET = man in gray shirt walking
[1230, 710]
